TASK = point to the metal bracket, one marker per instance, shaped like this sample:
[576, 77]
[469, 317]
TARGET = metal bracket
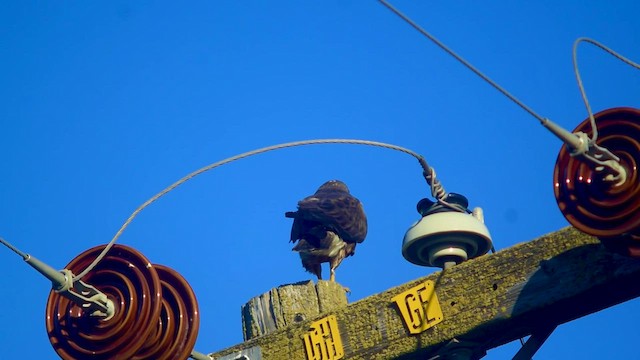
[581, 146]
[81, 293]
[252, 353]
[459, 350]
[533, 344]
[86, 296]
[200, 356]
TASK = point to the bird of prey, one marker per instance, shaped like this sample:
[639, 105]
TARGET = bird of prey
[327, 227]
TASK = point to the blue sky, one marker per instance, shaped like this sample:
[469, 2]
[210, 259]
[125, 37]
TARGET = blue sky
[104, 104]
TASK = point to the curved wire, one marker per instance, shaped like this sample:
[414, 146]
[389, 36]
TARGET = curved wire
[592, 120]
[429, 174]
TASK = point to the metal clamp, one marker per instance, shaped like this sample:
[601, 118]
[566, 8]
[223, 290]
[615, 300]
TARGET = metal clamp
[581, 146]
[81, 293]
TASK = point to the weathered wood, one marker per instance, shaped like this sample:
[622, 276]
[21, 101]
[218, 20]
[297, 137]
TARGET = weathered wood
[485, 303]
[290, 304]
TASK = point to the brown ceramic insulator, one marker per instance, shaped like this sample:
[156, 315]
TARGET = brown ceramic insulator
[127, 278]
[177, 327]
[591, 204]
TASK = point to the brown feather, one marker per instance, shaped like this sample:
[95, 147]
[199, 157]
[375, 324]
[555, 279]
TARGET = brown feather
[327, 226]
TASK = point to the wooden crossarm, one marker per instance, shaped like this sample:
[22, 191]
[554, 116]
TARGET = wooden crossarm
[483, 303]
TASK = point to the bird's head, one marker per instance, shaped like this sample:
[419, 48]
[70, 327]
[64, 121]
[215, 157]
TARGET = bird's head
[333, 186]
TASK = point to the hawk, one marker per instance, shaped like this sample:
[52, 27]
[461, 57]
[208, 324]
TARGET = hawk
[327, 227]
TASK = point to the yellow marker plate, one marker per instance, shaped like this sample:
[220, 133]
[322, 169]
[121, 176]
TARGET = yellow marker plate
[419, 307]
[323, 341]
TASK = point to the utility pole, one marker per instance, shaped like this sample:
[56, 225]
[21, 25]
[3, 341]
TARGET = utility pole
[460, 312]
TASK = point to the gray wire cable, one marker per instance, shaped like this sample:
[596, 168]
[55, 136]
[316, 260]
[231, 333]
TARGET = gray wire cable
[437, 191]
[429, 174]
[592, 120]
[14, 249]
[505, 92]
[463, 61]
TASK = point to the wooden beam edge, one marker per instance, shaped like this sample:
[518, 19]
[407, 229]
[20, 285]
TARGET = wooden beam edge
[484, 302]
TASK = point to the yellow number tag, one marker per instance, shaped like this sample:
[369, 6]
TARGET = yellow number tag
[419, 307]
[323, 341]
